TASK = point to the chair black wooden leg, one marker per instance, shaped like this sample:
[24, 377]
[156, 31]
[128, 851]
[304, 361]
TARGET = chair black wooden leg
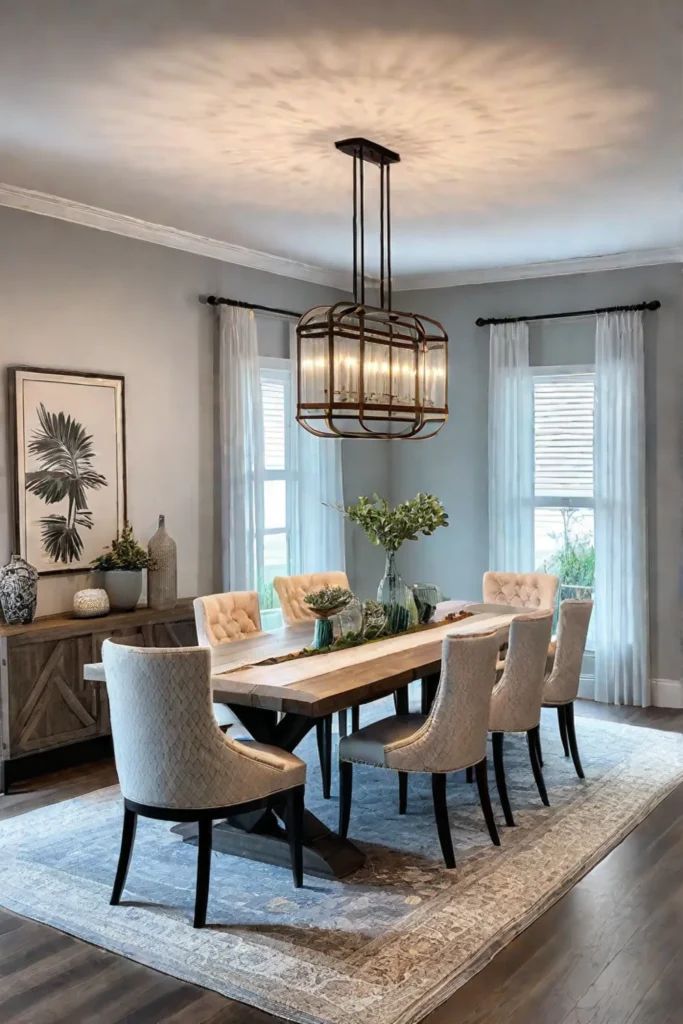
[343, 723]
[323, 731]
[345, 793]
[480, 771]
[402, 792]
[562, 722]
[532, 741]
[203, 871]
[469, 776]
[571, 736]
[539, 748]
[130, 820]
[499, 769]
[295, 830]
[355, 718]
[441, 814]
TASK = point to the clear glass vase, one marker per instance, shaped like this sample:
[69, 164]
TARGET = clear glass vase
[397, 597]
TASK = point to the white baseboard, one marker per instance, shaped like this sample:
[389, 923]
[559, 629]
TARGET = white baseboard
[667, 693]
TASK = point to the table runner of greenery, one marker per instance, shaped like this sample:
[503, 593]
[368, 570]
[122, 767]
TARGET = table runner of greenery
[356, 640]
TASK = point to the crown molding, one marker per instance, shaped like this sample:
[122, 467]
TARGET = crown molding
[551, 268]
[47, 205]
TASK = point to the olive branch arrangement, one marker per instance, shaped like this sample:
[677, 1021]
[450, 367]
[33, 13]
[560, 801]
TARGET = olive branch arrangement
[389, 527]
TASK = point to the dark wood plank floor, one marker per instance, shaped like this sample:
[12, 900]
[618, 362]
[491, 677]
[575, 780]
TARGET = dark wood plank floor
[610, 952]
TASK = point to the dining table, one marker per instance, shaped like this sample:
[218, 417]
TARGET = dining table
[279, 698]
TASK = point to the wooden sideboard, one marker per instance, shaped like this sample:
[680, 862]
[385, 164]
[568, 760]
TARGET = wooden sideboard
[45, 704]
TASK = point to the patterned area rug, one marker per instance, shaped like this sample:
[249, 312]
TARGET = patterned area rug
[386, 945]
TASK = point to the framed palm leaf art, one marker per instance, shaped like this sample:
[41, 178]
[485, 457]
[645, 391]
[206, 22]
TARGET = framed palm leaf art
[68, 436]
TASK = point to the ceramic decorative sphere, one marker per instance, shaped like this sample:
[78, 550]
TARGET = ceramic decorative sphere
[88, 604]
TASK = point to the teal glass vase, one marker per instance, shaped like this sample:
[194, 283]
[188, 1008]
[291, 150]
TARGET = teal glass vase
[323, 633]
[397, 597]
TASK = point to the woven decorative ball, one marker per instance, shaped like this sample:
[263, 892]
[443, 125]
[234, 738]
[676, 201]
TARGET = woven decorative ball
[88, 604]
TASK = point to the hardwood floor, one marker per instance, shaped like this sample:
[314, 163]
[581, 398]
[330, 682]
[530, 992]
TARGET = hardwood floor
[609, 952]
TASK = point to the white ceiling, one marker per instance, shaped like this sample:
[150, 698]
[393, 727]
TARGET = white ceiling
[528, 131]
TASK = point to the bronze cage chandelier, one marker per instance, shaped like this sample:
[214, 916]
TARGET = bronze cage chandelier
[368, 371]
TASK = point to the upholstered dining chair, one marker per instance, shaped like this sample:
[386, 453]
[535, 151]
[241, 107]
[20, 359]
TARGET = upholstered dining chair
[517, 696]
[451, 737]
[534, 590]
[175, 764]
[291, 591]
[562, 682]
[222, 619]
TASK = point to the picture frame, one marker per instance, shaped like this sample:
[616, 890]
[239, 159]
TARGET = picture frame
[67, 434]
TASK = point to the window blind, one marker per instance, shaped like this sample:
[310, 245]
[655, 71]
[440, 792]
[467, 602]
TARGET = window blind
[563, 435]
[274, 400]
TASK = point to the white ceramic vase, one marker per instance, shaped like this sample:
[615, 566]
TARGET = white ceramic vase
[123, 587]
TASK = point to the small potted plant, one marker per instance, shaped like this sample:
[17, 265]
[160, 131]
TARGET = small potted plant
[388, 528]
[324, 604]
[122, 566]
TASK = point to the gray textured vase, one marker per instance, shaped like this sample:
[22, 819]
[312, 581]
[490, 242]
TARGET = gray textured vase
[123, 587]
[18, 591]
[162, 580]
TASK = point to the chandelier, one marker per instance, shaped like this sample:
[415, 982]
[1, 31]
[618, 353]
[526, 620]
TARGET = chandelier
[364, 370]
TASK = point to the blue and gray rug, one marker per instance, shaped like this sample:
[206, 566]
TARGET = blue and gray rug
[387, 944]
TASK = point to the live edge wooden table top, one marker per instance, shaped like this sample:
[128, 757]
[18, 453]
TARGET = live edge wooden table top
[279, 704]
[318, 685]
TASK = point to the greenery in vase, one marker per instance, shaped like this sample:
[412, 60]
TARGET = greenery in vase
[328, 599]
[389, 527]
[125, 554]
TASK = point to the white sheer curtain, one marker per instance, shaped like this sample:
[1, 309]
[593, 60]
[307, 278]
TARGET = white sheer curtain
[621, 593]
[241, 446]
[317, 529]
[511, 450]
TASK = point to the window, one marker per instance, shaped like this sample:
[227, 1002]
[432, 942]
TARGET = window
[275, 534]
[563, 477]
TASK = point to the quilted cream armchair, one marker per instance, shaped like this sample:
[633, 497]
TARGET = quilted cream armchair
[517, 697]
[451, 737]
[175, 764]
[221, 619]
[534, 590]
[562, 683]
[291, 590]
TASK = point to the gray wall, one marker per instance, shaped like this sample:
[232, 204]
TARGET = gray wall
[76, 298]
[454, 465]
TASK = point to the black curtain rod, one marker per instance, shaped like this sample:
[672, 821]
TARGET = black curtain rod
[214, 300]
[485, 321]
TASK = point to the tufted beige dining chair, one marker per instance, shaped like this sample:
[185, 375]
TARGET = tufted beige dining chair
[562, 683]
[175, 764]
[221, 619]
[533, 590]
[291, 591]
[451, 737]
[516, 698]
